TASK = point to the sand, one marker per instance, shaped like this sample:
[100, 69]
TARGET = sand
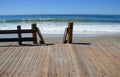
[93, 39]
[106, 39]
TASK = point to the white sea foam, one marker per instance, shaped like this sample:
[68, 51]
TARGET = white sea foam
[59, 27]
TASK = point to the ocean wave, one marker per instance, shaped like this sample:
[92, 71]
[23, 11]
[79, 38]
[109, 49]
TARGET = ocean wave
[57, 20]
[59, 27]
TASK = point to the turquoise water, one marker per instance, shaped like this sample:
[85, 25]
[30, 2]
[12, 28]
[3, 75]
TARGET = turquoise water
[79, 18]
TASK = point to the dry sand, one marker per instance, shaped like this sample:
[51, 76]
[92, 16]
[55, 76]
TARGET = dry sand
[99, 39]
[57, 39]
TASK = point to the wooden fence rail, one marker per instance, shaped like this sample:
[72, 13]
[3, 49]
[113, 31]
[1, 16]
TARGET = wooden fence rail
[34, 30]
[16, 31]
[16, 39]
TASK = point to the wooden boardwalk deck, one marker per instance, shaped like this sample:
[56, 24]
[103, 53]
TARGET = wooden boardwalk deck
[75, 60]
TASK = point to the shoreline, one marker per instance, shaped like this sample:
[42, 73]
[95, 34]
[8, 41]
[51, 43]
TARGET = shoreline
[77, 38]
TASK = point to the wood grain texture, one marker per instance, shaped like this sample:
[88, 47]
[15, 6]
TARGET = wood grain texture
[60, 60]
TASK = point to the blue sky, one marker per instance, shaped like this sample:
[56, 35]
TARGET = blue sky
[11, 7]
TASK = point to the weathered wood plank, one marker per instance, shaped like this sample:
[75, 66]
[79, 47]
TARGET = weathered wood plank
[13, 73]
[52, 62]
[16, 39]
[6, 63]
[14, 62]
[5, 55]
[97, 58]
[3, 50]
[63, 61]
[57, 66]
[16, 31]
[87, 64]
[44, 71]
[113, 61]
[26, 61]
[75, 63]
[79, 56]
[60, 60]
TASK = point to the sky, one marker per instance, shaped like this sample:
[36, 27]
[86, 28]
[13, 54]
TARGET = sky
[21, 7]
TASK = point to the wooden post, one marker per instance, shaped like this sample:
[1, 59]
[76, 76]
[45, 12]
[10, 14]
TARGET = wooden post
[19, 35]
[70, 32]
[34, 35]
[65, 36]
[41, 37]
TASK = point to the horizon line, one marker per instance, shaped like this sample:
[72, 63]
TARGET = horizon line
[56, 14]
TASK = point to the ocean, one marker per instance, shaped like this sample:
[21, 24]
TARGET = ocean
[56, 24]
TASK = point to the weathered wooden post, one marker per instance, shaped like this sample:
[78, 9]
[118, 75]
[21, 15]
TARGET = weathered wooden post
[19, 35]
[65, 35]
[34, 34]
[41, 37]
[70, 32]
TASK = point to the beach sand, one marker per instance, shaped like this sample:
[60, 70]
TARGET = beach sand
[92, 39]
[107, 39]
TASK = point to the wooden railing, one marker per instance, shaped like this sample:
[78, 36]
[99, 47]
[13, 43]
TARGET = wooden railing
[34, 30]
[68, 34]
[40, 36]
